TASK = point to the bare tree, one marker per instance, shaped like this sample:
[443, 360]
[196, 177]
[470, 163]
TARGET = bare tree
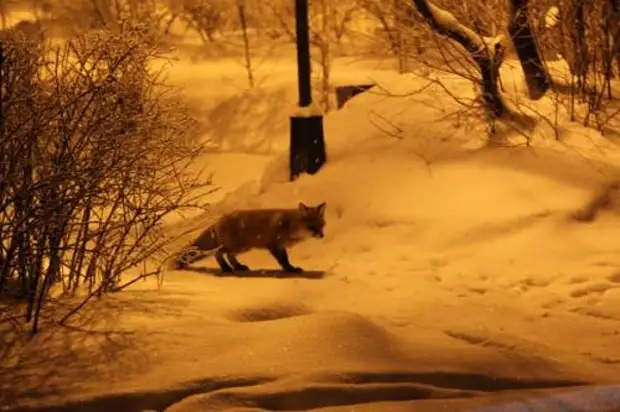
[523, 39]
[329, 23]
[399, 28]
[203, 16]
[241, 11]
[586, 35]
[4, 10]
[488, 59]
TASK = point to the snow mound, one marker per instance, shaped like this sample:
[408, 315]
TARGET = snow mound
[452, 277]
[310, 361]
[444, 258]
[387, 184]
[370, 397]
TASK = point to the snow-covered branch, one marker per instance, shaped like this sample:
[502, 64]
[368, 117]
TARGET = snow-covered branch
[444, 22]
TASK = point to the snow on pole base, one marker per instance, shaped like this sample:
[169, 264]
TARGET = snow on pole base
[307, 111]
[307, 145]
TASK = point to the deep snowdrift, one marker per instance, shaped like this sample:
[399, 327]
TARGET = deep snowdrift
[452, 274]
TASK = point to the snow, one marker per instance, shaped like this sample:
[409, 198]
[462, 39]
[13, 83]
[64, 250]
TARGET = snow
[552, 17]
[454, 278]
[308, 111]
[448, 22]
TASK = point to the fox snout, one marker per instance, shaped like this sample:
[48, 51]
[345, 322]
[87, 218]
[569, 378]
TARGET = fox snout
[318, 234]
[316, 231]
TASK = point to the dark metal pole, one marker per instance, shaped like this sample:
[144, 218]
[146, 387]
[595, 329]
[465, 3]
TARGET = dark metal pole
[307, 149]
[303, 53]
[1, 93]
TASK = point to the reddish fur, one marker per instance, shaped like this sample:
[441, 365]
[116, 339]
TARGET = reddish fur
[272, 229]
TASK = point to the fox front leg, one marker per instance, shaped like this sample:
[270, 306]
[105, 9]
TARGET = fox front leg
[281, 256]
[237, 266]
[219, 256]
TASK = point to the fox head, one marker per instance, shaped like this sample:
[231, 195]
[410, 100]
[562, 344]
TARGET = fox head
[312, 217]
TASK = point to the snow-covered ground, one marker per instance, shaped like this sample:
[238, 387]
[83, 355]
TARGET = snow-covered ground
[453, 279]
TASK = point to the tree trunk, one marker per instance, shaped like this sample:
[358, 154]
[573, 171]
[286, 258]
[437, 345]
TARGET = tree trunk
[446, 24]
[400, 10]
[522, 37]
[614, 18]
[580, 47]
[246, 42]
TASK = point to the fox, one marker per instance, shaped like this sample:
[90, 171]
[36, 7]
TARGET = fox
[237, 232]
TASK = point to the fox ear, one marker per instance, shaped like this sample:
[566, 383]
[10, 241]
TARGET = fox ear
[321, 209]
[303, 208]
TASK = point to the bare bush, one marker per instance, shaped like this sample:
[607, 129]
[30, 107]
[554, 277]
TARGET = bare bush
[205, 17]
[402, 32]
[80, 15]
[4, 11]
[242, 14]
[96, 152]
[586, 35]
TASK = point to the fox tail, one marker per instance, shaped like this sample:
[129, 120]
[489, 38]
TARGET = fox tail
[204, 246]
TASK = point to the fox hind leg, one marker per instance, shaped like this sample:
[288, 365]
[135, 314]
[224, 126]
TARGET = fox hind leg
[237, 266]
[280, 254]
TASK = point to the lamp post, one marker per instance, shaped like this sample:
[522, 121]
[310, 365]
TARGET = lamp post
[307, 145]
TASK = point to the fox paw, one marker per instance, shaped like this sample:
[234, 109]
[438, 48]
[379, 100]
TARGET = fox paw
[242, 268]
[294, 269]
